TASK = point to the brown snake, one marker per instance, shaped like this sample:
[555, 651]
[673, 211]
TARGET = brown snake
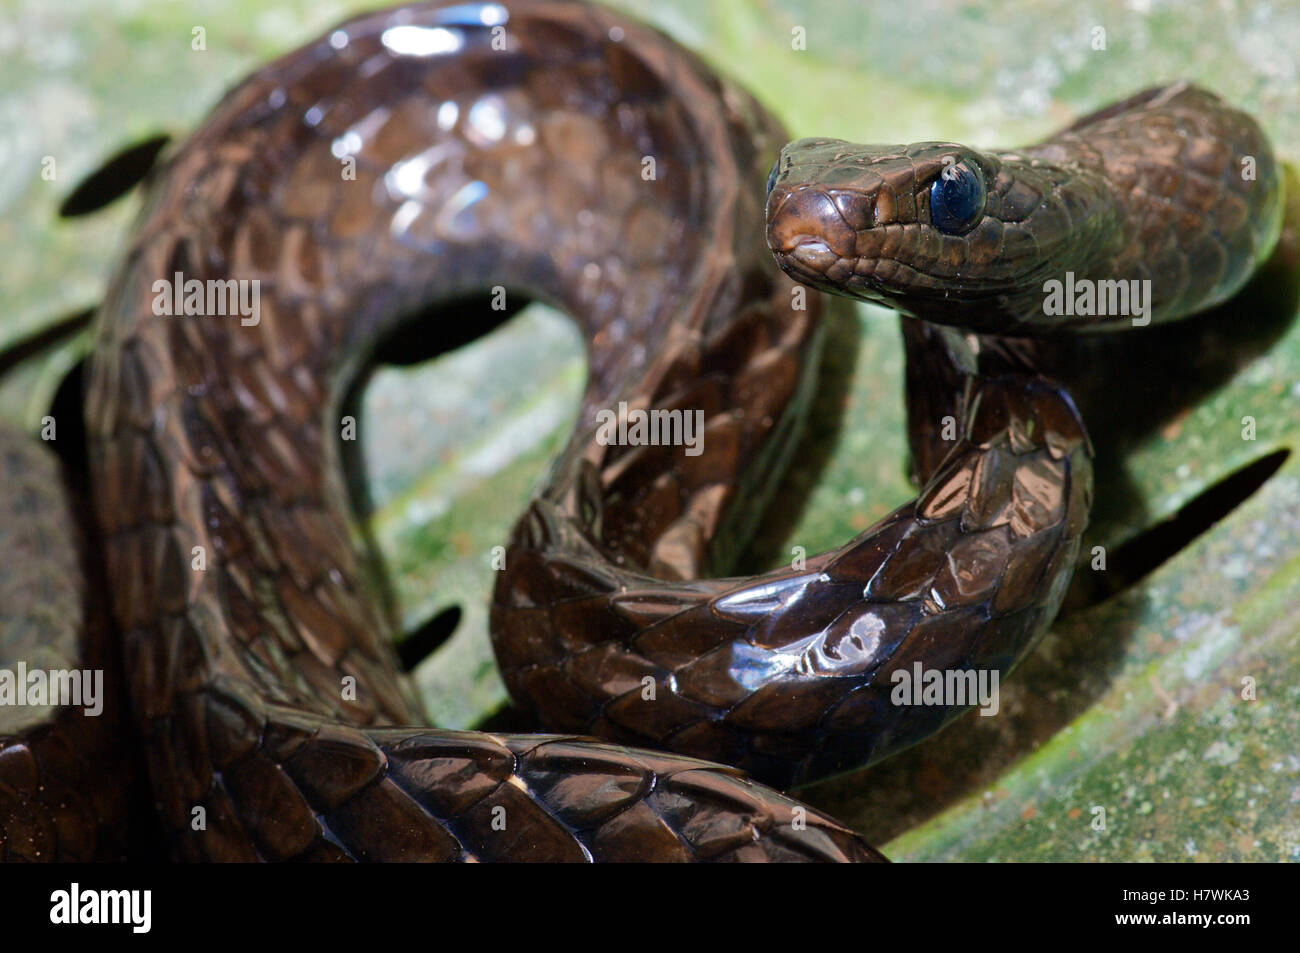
[508, 145]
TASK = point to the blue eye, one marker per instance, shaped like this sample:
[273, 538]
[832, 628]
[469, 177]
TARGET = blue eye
[957, 199]
[771, 176]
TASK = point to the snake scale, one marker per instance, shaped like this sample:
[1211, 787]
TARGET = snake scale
[507, 145]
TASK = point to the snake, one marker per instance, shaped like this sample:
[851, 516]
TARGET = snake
[555, 150]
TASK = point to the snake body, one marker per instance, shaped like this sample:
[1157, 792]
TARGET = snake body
[568, 154]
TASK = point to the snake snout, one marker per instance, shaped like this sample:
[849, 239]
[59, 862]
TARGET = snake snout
[808, 232]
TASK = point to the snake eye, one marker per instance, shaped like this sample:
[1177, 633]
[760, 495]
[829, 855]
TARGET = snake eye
[957, 198]
[771, 176]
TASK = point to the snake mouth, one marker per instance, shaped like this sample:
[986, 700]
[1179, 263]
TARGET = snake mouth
[813, 264]
[810, 258]
[809, 235]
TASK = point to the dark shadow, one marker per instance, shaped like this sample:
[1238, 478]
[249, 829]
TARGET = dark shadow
[439, 329]
[142, 837]
[1141, 555]
[507, 718]
[66, 408]
[33, 344]
[426, 639]
[114, 178]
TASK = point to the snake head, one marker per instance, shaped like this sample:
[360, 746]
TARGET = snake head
[915, 227]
